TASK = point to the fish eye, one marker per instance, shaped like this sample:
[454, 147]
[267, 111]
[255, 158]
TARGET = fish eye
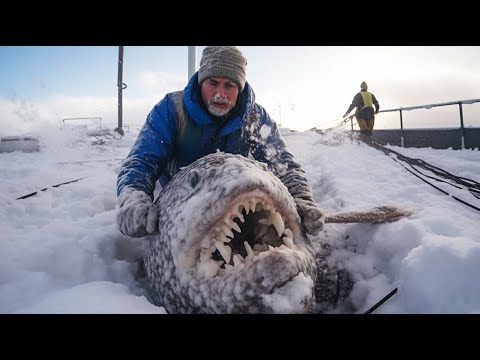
[194, 178]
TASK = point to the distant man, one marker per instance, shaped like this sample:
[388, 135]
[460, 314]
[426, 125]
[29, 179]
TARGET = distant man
[365, 114]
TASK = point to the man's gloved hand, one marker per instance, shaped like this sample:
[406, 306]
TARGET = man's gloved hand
[136, 216]
[345, 115]
[312, 216]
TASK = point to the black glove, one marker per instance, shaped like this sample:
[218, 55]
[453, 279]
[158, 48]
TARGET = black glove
[312, 216]
[137, 216]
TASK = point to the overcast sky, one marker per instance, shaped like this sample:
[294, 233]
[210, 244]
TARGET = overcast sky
[301, 87]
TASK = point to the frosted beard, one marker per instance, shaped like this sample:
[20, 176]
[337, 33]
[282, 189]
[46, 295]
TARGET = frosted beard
[217, 99]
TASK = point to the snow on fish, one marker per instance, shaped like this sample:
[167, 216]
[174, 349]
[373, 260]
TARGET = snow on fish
[230, 241]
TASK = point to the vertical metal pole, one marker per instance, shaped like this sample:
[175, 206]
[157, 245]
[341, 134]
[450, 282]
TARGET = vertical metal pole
[191, 61]
[461, 125]
[402, 138]
[120, 87]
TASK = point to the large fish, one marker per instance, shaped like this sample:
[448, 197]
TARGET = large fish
[229, 241]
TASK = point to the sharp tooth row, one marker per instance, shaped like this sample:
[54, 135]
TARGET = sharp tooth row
[224, 234]
[210, 268]
[250, 205]
[226, 251]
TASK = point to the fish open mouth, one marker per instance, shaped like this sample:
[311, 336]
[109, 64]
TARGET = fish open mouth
[251, 227]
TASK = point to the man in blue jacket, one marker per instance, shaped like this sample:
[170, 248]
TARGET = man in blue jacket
[215, 111]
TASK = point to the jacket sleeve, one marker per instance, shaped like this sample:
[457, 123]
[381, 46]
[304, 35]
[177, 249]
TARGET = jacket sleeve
[356, 103]
[375, 102]
[267, 145]
[350, 108]
[151, 151]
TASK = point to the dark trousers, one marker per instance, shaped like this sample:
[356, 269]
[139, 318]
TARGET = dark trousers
[366, 120]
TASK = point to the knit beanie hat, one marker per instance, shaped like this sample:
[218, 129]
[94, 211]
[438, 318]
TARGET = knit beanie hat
[363, 85]
[223, 61]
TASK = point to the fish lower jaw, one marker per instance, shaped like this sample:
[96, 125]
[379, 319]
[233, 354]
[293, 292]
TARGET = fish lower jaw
[295, 296]
[217, 269]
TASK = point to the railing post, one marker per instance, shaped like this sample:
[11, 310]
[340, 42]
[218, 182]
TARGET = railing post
[402, 139]
[461, 124]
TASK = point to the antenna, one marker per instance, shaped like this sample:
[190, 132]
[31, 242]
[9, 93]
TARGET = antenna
[120, 86]
[191, 61]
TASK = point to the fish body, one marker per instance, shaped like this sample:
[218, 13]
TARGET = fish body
[230, 241]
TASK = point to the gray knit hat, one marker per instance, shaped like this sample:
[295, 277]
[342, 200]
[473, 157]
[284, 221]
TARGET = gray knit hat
[223, 61]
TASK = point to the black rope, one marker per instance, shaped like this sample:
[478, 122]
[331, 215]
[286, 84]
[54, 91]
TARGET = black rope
[34, 193]
[388, 296]
[471, 185]
[468, 184]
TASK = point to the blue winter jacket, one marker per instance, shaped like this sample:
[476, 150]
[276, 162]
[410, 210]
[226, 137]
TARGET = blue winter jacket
[158, 152]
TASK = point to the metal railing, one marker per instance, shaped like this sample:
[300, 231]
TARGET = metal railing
[460, 103]
[85, 118]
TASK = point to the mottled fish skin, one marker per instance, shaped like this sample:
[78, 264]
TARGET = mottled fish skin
[191, 207]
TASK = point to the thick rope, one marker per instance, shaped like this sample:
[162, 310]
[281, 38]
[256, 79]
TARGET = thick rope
[463, 183]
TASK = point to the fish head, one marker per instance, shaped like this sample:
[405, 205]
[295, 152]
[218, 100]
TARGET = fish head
[229, 241]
